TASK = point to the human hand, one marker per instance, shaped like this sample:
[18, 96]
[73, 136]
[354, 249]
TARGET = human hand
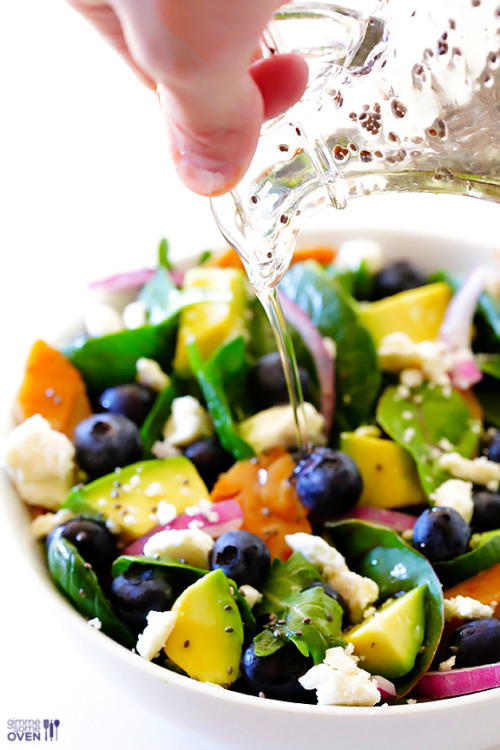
[201, 57]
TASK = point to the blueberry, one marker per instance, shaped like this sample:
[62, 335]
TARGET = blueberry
[396, 277]
[132, 400]
[330, 591]
[210, 459]
[105, 441]
[328, 482]
[139, 590]
[242, 556]
[475, 643]
[93, 540]
[277, 675]
[441, 534]
[486, 515]
[267, 384]
[493, 452]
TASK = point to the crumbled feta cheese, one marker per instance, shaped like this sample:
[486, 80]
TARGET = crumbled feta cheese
[353, 252]
[204, 508]
[135, 315]
[150, 373]
[408, 434]
[447, 666]
[42, 525]
[40, 462]
[162, 449]
[358, 591]
[466, 608]
[101, 319]
[165, 512]
[456, 494]
[476, 470]
[276, 426]
[151, 641]
[411, 377]
[188, 422]
[368, 430]
[95, 623]
[330, 346]
[339, 681]
[193, 546]
[251, 595]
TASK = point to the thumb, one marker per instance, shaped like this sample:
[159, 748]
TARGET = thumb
[214, 124]
[214, 100]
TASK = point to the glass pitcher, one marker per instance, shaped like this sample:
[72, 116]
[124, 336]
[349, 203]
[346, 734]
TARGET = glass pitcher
[402, 96]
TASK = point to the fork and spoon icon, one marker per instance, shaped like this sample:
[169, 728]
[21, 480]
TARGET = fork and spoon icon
[51, 728]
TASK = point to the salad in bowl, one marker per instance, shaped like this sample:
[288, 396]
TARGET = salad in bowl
[157, 453]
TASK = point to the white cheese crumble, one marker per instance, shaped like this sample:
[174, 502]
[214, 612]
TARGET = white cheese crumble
[476, 470]
[135, 315]
[95, 623]
[40, 462]
[151, 641]
[353, 252]
[204, 508]
[42, 525]
[150, 373]
[192, 546]
[276, 426]
[162, 449]
[411, 377]
[339, 681]
[466, 608]
[101, 319]
[456, 494]
[252, 595]
[447, 666]
[358, 591]
[188, 422]
[165, 512]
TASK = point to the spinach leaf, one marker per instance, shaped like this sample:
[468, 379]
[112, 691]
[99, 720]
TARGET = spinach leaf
[485, 553]
[489, 364]
[357, 282]
[80, 584]
[158, 294]
[111, 360]
[163, 254]
[184, 574]
[487, 394]
[152, 427]
[308, 617]
[380, 553]
[230, 364]
[217, 404]
[421, 420]
[331, 310]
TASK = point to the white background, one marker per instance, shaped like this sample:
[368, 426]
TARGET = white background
[86, 189]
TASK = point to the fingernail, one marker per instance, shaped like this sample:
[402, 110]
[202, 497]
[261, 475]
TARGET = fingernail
[204, 175]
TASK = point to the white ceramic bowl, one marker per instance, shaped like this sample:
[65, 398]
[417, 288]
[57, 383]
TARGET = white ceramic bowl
[232, 720]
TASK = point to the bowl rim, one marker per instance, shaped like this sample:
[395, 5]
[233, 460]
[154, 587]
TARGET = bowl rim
[37, 565]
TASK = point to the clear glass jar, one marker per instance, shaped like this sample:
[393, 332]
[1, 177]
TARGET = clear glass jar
[402, 96]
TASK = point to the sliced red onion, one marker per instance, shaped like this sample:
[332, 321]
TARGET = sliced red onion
[435, 685]
[123, 282]
[456, 329]
[386, 688]
[323, 359]
[392, 518]
[177, 277]
[229, 518]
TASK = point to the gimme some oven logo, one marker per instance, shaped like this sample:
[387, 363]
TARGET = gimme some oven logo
[33, 730]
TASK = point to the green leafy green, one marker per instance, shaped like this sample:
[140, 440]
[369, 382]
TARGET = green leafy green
[484, 554]
[489, 364]
[357, 282]
[217, 404]
[486, 393]
[186, 574]
[307, 617]
[332, 311]
[80, 584]
[422, 420]
[158, 294]
[152, 427]
[163, 250]
[230, 364]
[380, 554]
[111, 360]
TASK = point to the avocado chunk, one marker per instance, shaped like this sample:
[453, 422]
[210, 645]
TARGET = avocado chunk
[389, 473]
[417, 312]
[388, 642]
[211, 323]
[207, 638]
[129, 496]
